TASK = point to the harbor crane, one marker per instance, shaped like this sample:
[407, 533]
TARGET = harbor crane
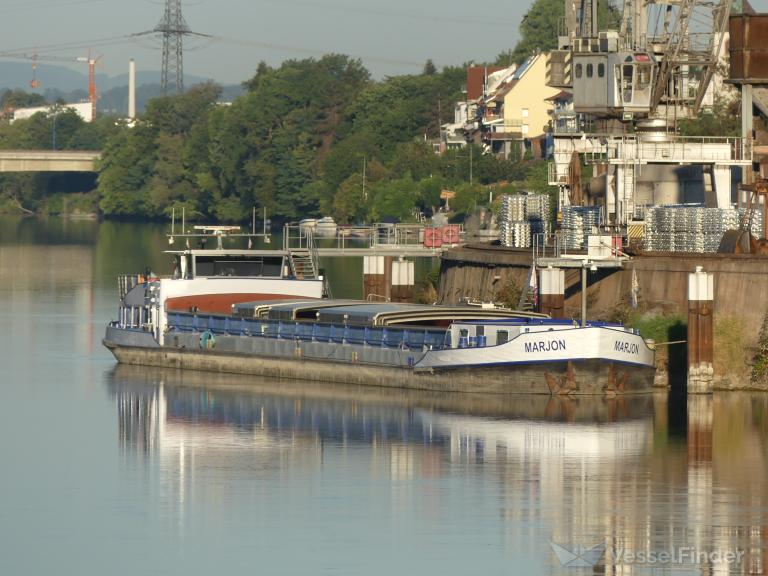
[658, 65]
[630, 87]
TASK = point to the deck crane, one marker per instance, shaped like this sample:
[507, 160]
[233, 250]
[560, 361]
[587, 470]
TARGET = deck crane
[35, 58]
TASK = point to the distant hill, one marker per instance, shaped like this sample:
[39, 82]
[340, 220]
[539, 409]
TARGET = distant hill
[58, 82]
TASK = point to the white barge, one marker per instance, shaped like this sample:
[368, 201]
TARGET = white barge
[457, 349]
[267, 313]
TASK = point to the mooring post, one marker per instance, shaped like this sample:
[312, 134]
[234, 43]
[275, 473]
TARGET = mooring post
[402, 280]
[374, 278]
[552, 292]
[701, 295]
[583, 294]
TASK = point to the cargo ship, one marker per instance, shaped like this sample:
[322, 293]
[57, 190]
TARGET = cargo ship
[244, 312]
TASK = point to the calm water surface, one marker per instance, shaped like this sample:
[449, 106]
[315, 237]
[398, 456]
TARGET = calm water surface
[121, 470]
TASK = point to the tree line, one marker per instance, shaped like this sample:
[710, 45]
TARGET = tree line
[310, 137]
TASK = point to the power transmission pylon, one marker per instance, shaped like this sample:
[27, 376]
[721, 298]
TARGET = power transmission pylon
[173, 27]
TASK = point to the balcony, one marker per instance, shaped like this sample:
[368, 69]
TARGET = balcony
[498, 128]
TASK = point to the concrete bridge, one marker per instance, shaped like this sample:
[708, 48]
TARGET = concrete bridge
[48, 160]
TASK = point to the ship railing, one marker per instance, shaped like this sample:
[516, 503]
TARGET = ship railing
[314, 258]
[127, 282]
[377, 235]
[548, 245]
[674, 148]
[296, 237]
[375, 336]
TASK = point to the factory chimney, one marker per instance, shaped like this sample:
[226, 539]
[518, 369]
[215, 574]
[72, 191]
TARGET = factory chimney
[132, 89]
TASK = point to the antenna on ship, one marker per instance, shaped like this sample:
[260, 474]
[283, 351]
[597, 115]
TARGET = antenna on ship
[253, 229]
[173, 225]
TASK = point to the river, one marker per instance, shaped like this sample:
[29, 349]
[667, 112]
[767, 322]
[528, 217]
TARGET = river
[128, 471]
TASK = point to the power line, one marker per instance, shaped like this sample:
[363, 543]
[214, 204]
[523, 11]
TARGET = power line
[305, 50]
[40, 49]
[48, 4]
[400, 14]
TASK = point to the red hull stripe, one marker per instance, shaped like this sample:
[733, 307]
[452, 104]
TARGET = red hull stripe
[221, 303]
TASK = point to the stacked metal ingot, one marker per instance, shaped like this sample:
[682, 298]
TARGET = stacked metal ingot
[517, 235]
[578, 223]
[695, 229]
[521, 217]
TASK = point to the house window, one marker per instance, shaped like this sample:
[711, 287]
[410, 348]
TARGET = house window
[601, 70]
[525, 112]
[578, 70]
[590, 70]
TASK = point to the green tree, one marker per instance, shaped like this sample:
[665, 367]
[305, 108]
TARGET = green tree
[394, 199]
[16, 98]
[349, 204]
[127, 164]
[723, 119]
[468, 197]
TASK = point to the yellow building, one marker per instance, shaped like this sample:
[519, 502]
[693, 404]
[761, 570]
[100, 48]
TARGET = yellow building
[520, 108]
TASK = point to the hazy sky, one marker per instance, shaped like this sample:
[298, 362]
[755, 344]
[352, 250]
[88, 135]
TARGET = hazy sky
[394, 36]
[391, 36]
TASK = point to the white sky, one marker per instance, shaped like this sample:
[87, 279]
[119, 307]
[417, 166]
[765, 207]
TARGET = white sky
[392, 36]
[396, 36]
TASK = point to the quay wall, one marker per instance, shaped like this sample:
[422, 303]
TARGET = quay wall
[482, 271]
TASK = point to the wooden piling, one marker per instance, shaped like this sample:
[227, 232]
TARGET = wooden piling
[700, 331]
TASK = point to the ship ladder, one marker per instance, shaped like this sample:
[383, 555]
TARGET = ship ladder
[529, 294]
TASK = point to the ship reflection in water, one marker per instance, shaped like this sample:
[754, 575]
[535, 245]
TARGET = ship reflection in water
[415, 482]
